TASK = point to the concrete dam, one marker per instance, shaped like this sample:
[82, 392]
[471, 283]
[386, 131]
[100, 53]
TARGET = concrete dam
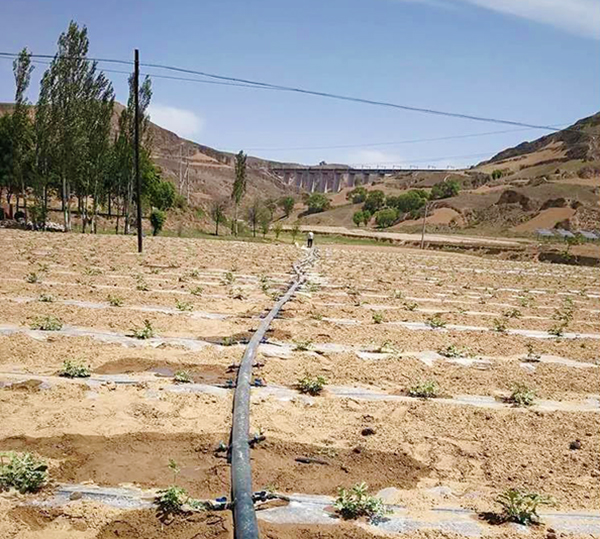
[328, 179]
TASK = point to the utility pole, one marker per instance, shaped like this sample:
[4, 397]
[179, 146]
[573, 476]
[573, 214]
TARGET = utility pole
[423, 229]
[136, 144]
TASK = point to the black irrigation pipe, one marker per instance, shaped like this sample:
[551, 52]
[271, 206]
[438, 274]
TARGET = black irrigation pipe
[246, 526]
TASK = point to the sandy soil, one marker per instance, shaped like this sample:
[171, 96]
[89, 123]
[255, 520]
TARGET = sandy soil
[124, 434]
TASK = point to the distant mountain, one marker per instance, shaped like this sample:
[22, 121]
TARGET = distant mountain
[573, 143]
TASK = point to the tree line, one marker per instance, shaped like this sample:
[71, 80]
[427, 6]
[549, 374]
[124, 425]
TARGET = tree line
[66, 147]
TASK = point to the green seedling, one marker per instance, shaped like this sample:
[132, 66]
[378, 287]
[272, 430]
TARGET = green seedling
[197, 291]
[453, 351]
[229, 278]
[146, 332]
[532, 356]
[424, 390]
[357, 502]
[521, 507]
[436, 321]
[115, 301]
[32, 278]
[522, 396]
[410, 305]
[500, 325]
[303, 346]
[47, 323]
[23, 472]
[312, 385]
[183, 306]
[73, 369]
[182, 377]
[46, 298]
[377, 318]
[512, 313]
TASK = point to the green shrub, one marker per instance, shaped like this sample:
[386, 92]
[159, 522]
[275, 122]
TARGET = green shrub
[357, 195]
[73, 369]
[424, 390]
[386, 217]
[313, 385]
[47, 323]
[157, 221]
[357, 502]
[375, 201]
[521, 395]
[521, 507]
[24, 472]
[146, 332]
[317, 202]
[445, 189]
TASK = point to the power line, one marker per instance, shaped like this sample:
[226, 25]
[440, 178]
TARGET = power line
[305, 91]
[392, 143]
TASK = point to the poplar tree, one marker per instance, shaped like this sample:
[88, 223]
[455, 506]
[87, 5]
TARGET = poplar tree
[239, 187]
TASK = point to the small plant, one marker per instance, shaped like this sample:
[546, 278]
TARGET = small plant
[229, 278]
[171, 500]
[500, 325]
[436, 321]
[146, 332]
[453, 351]
[397, 294]
[115, 301]
[92, 271]
[387, 347]
[521, 395]
[47, 323]
[238, 293]
[183, 306]
[32, 278]
[357, 502]
[24, 472]
[46, 298]
[424, 390]
[73, 369]
[512, 313]
[313, 287]
[141, 285]
[532, 356]
[313, 385]
[182, 377]
[303, 346]
[316, 316]
[521, 507]
[228, 341]
[377, 318]
[197, 291]
[410, 305]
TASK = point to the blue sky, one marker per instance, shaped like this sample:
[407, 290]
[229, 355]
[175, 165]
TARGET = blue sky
[536, 61]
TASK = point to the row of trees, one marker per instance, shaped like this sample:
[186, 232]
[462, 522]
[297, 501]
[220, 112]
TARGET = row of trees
[67, 146]
[387, 210]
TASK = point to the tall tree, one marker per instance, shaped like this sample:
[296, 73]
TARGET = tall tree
[254, 214]
[22, 130]
[239, 187]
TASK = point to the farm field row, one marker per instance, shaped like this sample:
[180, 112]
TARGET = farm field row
[120, 426]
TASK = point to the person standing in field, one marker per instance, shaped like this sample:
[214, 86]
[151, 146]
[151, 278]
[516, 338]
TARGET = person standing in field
[309, 240]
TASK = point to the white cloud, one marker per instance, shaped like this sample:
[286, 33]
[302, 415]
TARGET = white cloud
[580, 17]
[181, 121]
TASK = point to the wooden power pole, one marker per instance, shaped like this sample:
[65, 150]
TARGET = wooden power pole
[136, 144]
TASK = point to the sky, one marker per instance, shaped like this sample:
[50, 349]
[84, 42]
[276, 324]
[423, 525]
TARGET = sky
[532, 61]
